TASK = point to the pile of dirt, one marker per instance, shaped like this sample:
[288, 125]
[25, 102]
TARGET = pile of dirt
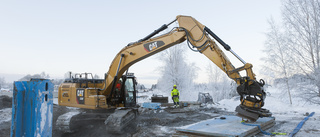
[5, 102]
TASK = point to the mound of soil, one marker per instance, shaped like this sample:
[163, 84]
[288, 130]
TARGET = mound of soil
[5, 102]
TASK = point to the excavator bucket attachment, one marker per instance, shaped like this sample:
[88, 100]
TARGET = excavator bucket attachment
[252, 114]
[246, 114]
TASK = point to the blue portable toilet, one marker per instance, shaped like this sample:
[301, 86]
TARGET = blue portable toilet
[32, 106]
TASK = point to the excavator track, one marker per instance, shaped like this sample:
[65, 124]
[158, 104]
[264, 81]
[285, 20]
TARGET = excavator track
[63, 122]
[119, 119]
[115, 120]
[72, 121]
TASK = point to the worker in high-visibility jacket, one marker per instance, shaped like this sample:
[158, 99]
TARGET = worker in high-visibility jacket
[175, 96]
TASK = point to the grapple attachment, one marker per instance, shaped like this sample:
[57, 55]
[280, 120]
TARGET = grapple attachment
[252, 98]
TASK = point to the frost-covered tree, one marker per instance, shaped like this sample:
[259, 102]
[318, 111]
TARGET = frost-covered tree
[301, 39]
[219, 84]
[278, 59]
[140, 87]
[2, 82]
[67, 75]
[57, 81]
[175, 70]
[96, 76]
[28, 77]
[302, 23]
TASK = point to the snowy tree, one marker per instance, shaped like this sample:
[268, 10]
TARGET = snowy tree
[140, 87]
[302, 22]
[28, 77]
[153, 86]
[67, 75]
[175, 70]
[2, 82]
[300, 43]
[219, 84]
[96, 76]
[57, 81]
[278, 58]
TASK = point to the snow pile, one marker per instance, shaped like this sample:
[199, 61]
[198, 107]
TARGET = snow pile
[274, 102]
[277, 104]
[55, 101]
[5, 115]
[227, 104]
[287, 116]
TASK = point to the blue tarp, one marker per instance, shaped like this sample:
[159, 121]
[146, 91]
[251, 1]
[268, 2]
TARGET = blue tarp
[151, 105]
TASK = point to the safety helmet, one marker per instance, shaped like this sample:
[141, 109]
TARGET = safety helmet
[174, 85]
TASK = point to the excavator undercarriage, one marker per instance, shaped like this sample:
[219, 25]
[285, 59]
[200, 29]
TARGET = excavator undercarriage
[114, 119]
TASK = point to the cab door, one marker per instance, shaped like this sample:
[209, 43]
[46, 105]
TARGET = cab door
[130, 92]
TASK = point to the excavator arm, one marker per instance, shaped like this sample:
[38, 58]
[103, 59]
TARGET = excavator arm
[189, 29]
[199, 38]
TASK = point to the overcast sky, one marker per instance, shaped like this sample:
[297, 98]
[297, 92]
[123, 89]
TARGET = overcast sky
[84, 36]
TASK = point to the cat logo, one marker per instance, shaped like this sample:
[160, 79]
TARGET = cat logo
[65, 94]
[153, 45]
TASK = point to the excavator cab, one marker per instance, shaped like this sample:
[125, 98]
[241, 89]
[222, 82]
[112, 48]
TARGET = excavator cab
[128, 90]
[82, 91]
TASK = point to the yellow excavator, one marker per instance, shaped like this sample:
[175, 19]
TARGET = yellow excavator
[117, 89]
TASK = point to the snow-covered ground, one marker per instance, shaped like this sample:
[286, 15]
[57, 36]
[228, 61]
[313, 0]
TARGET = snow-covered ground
[5, 115]
[287, 116]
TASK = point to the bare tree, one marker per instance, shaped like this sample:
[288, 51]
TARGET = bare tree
[298, 42]
[68, 75]
[2, 82]
[96, 76]
[302, 22]
[28, 77]
[175, 70]
[219, 84]
[278, 58]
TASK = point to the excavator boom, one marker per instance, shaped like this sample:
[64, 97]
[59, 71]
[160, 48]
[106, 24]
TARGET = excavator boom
[198, 39]
[189, 29]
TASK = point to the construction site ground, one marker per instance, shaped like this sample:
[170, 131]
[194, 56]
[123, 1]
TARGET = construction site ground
[148, 122]
[163, 123]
